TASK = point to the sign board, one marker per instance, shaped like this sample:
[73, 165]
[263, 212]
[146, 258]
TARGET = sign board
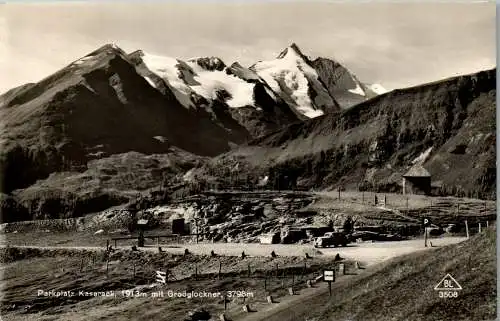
[142, 222]
[329, 275]
[426, 222]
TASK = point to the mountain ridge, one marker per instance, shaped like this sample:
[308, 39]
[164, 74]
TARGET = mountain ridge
[372, 144]
[107, 113]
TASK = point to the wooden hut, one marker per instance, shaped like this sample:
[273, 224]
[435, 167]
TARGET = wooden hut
[417, 181]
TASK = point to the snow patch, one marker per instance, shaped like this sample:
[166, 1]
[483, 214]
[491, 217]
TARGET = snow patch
[358, 90]
[167, 69]
[189, 176]
[150, 81]
[213, 81]
[422, 157]
[161, 139]
[378, 89]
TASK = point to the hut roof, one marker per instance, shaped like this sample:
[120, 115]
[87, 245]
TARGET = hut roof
[417, 171]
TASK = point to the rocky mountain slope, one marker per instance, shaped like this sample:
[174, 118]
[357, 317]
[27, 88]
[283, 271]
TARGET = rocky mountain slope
[111, 125]
[95, 107]
[343, 85]
[447, 126]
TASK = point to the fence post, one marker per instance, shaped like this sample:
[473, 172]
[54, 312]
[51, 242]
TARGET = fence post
[107, 266]
[249, 271]
[220, 269]
[276, 270]
[479, 227]
[467, 228]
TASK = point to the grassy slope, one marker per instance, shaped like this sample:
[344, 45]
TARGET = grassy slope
[404, 289]
[32, 270]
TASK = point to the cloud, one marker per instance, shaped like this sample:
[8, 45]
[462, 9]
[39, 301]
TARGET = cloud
[395, 44]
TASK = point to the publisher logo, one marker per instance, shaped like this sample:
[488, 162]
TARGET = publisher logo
[448, 287]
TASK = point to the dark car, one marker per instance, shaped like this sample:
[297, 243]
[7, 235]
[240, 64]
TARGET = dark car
[331, 238]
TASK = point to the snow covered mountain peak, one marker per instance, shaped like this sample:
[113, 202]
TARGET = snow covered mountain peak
[309, 88]
[293, 49]
[292, 77]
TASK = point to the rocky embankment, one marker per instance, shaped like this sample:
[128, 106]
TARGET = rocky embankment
[220, 216]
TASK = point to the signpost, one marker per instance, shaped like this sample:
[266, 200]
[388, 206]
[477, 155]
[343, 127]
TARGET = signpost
[141, 224]
[425, 222]
[329, 276]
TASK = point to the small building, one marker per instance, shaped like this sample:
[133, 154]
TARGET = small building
[417, 181]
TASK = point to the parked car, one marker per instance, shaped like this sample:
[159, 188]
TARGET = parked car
[331, 238]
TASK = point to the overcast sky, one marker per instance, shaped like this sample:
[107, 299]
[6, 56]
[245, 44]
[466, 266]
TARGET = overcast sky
[397, 45]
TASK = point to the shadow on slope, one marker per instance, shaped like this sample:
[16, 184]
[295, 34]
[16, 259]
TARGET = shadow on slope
[404, 288]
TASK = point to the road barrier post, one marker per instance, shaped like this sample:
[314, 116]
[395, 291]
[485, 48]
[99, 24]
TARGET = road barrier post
[425, 236]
